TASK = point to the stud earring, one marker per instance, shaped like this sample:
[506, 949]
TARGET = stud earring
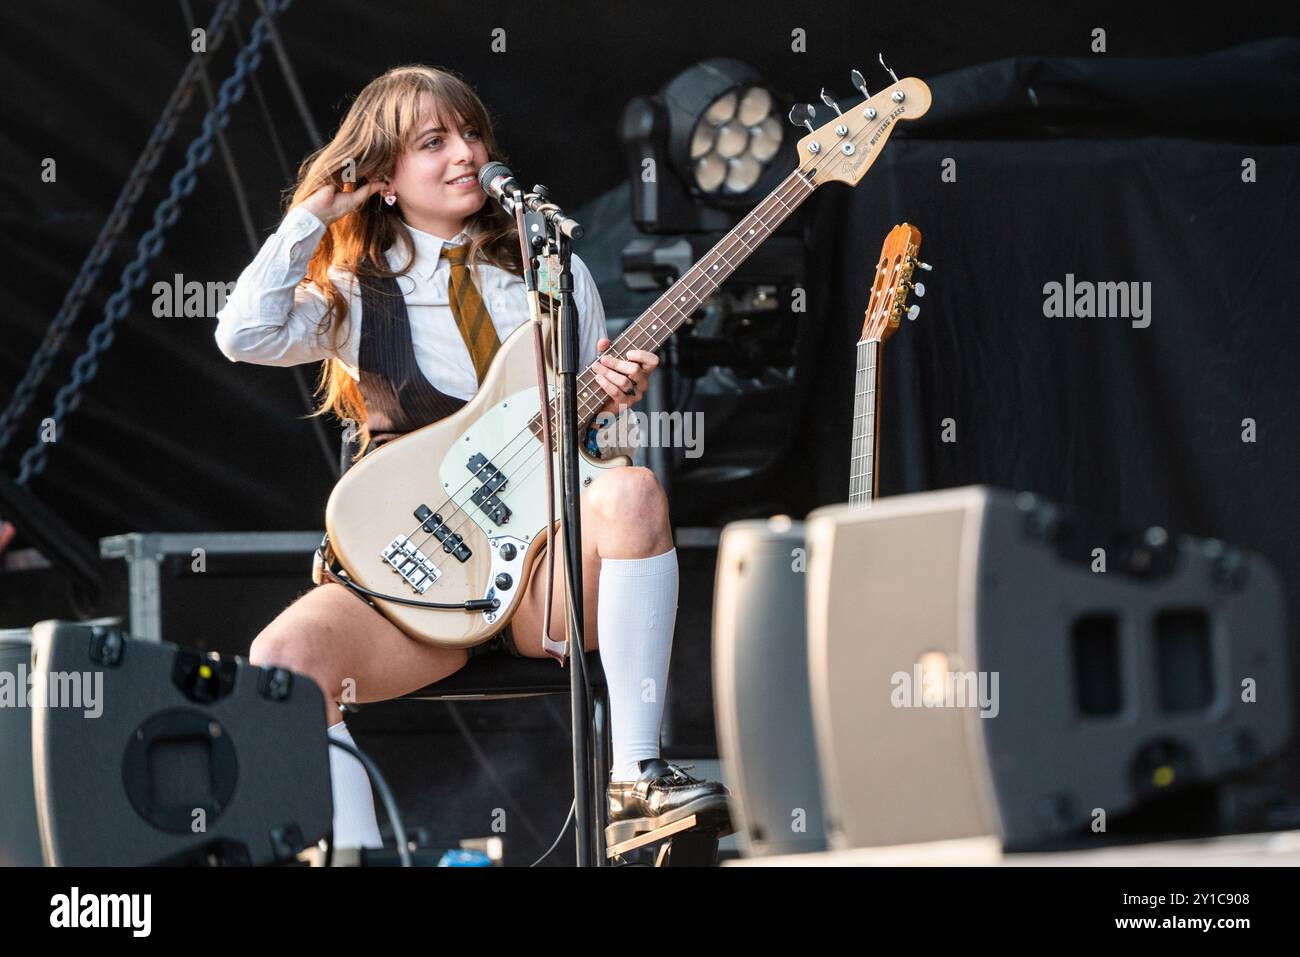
[390, 198]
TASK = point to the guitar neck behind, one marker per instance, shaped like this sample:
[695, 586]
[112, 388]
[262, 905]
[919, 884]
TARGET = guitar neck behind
[866, 419]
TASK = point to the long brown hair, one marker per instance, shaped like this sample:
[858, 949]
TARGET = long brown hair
[379, 125]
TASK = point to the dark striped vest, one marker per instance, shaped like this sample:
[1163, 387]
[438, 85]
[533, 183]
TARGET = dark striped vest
[399, 397]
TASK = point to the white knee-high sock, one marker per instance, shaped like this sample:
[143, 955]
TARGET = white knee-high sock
[636, 613]
[354, 803]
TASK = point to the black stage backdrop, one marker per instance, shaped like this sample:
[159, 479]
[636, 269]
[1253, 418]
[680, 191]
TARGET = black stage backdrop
[172, 436]
[1102, 166]
[1123, 167]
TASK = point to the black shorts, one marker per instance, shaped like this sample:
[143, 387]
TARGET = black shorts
[503, 642]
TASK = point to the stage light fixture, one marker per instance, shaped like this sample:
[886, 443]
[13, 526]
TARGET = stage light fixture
[706, 147]
[702, 153]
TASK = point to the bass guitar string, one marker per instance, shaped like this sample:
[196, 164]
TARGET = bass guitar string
[628, 340]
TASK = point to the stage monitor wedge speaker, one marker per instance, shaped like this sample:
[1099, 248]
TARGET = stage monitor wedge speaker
[985, 663]
[20, 838]
[147, 753]
[760, 689]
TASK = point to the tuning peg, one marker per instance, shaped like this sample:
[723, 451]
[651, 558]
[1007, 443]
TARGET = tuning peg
[886, 66]
[913, 312]
[860, 84]
[926, 266]
[801, 114]
[829, 99]
[919, 289]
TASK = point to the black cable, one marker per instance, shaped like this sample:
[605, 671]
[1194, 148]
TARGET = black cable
[574, 803]
[390, 805]
[291, 80]
[241, 200]
[281, 159]
[223, 146]
[474, 604]
[572, 809]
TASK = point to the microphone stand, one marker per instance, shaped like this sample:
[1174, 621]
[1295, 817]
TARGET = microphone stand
[534, 224]
[543, 230]
[585, 795]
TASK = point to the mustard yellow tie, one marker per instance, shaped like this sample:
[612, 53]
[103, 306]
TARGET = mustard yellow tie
[472, 317]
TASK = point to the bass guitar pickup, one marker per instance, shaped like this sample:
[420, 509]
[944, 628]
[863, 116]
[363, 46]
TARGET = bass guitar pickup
[485, 496]
[452, 543]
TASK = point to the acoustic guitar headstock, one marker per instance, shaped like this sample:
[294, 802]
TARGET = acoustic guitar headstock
[893, 283]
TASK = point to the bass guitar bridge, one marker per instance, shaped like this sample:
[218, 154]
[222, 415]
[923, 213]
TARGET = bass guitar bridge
[415, 567]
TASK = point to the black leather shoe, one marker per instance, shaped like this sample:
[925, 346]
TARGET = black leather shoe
[663, 794]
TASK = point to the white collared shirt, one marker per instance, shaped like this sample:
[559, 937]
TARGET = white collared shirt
[272, 318]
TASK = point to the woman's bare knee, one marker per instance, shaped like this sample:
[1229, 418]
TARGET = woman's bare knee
[631, 513]
[306, 638]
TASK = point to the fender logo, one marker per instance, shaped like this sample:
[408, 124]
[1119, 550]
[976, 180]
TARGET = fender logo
[852, 164]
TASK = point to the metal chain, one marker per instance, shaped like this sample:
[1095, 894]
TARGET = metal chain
[151, 243]
[112, 229]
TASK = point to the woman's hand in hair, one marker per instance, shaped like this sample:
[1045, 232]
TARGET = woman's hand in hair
[330, 203]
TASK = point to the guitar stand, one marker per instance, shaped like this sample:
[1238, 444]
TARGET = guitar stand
[681, 844]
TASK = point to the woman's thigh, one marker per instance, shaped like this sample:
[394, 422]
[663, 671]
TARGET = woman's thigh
[350, 649]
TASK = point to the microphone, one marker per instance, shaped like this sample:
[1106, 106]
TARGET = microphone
[499, 182]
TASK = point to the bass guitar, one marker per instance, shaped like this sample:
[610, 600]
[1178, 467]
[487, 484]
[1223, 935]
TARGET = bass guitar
[443, 525]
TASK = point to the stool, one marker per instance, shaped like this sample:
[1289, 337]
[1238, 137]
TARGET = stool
[493, 677]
